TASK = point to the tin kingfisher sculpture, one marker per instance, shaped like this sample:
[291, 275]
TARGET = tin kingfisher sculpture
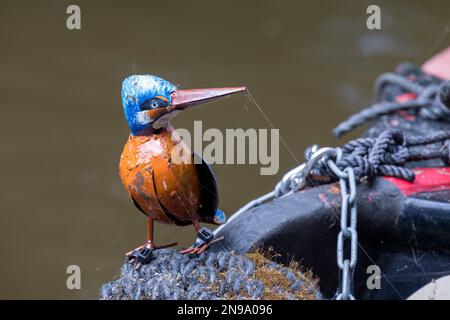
[167, 191]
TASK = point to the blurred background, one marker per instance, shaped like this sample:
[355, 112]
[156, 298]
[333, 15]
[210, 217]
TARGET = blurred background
[309, 65]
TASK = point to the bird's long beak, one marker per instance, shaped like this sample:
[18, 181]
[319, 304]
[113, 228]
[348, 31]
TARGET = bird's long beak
[182, 99]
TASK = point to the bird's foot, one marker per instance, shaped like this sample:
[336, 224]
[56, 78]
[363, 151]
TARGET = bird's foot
[144, 254]
[205, 238]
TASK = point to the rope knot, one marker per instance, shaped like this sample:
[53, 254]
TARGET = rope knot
[386, 155]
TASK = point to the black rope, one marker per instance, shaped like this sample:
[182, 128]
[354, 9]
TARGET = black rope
[387, 154]
[433, 137]
[432, 101]
[388, 79]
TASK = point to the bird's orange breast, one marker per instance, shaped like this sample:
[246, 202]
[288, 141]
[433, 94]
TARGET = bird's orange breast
[166, 190]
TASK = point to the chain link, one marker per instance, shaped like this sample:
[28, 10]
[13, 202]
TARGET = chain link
[296, 180]
[348, 232]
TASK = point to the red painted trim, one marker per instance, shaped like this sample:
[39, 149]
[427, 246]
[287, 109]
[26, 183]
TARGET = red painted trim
[405, 97]
[427, 180]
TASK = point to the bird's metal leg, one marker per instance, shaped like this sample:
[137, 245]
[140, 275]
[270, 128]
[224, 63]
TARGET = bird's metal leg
[205, 238]
[143, 254]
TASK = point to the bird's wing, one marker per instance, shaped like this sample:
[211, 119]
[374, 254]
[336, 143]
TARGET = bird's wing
[209, 191]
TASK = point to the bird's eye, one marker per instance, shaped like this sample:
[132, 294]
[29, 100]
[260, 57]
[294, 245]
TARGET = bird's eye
[154, 104]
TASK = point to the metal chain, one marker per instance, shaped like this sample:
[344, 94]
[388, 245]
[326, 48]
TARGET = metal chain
[291, 182]
[295, 180]
[349, 214]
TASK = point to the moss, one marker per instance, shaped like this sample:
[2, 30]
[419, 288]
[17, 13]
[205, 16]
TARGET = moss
[272, 277]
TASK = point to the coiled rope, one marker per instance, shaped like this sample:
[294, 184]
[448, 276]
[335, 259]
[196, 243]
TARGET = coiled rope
[210, 276]
[386, 155]
[432, 102]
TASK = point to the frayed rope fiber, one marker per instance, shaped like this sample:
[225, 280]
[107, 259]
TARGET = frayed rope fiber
[210, 276]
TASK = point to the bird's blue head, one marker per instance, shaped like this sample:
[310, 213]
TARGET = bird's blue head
[141, 94]
[149, 102]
